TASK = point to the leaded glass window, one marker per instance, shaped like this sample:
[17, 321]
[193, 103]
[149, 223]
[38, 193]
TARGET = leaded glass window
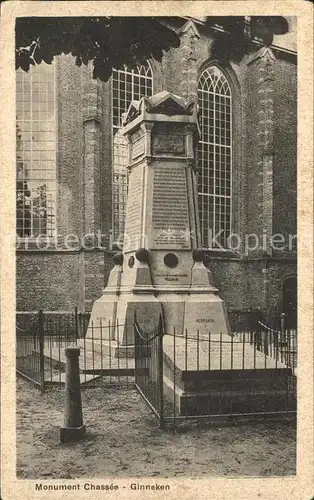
[36, 152]
[215, 157]
[127, 85]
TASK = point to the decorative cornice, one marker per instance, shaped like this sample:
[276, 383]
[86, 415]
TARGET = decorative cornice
[205, 21]
[162, 103]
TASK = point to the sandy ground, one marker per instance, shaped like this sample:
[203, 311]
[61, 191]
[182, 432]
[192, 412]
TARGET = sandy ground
[123, 439]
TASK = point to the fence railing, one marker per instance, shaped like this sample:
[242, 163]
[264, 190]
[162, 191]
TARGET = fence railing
[180, 376]
[149, 370]
[197, 376]
[29, 349]
[36, 333]
[279, 344]
[42, 337]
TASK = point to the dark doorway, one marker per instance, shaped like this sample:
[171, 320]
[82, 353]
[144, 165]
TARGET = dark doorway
[289, 301]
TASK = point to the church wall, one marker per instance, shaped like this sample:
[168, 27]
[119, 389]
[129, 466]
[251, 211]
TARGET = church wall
[52, 281]
[60, 280]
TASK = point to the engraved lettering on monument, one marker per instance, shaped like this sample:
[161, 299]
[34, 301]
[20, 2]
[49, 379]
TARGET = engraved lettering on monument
[138, 147]
[133, 223]
[205, 320]
[170, 215]
[170, 144]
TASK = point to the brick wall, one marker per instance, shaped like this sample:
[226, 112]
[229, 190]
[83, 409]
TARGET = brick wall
[252, 283]
[49, 280]
[241, 283]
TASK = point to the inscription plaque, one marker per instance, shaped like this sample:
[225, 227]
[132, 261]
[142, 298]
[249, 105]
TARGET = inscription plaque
[133, 223]
[138, 147]
[170, 215]
[170, 144]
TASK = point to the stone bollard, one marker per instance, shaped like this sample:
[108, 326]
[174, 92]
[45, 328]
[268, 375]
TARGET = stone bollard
[73, 429]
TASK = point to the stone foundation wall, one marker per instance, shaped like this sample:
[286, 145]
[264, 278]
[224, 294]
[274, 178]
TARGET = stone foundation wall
[60, 281]
[52, 281]
[256, 283]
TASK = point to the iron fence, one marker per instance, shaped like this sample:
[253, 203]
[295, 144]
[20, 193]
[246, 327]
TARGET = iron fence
[149, 367]
[250, 373]
[279, 344]
[208, 376]
[29, 348]
[272, 332]
[41, 339]
[247, 319]
[38, 335]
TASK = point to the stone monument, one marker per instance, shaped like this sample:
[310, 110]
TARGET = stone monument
[161, 269]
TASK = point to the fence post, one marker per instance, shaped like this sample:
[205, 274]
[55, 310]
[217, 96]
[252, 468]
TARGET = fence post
[34, 336]
[259, 344]
[250, 325]
[136, 347]
[73, 429]
[282, 325]
[41, 350]
[161, 373]
[76, 323]
[283, 340]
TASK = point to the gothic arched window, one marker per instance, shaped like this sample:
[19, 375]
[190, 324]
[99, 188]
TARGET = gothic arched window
[127, 85]
[215, 157]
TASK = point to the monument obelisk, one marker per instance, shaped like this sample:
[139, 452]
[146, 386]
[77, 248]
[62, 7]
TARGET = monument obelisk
[161, 268]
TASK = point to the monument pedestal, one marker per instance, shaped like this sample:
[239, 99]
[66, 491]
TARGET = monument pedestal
[161, 270]
[103, 321]
[205, 311]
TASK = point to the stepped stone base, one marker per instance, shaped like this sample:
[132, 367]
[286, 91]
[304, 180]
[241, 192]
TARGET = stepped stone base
[197, 383]
[223, 400]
